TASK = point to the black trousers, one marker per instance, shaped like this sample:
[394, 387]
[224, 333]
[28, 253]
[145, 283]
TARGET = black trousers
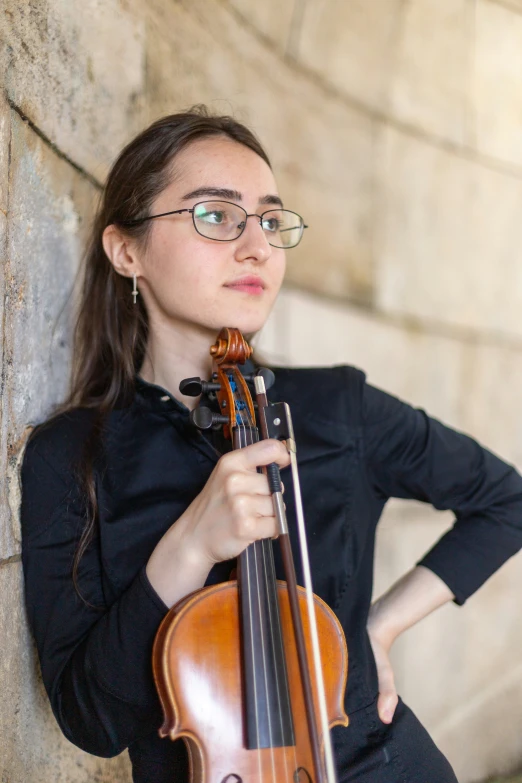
[401, 752]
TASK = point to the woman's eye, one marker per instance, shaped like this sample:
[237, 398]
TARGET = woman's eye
[271, 224]
[216, 216]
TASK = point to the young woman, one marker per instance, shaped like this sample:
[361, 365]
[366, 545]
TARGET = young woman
[127, 507]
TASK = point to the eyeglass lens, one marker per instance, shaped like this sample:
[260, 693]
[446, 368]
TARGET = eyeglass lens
[224, 222]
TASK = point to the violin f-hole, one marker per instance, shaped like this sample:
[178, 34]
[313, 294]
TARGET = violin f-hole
[307, 777]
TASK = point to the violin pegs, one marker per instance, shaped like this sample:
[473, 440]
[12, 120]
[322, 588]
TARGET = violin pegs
[193, 387]
[203, 418]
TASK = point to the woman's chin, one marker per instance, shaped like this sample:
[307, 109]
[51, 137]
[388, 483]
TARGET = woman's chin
[247, 323]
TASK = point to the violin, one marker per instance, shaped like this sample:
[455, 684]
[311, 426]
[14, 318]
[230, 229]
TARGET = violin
[251, 673]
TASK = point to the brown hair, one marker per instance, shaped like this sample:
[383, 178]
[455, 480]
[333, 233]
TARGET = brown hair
[111, 332]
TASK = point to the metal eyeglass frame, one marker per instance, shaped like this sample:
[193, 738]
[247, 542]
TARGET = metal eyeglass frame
[221, 201]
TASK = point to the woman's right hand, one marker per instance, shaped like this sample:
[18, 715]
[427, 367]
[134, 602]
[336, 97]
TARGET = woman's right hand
[233, 510]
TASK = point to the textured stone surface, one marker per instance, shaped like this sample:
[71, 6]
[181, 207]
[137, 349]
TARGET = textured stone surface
[449, 240]
[33, 747]
[512, 5]
[49, 203]
[431, 83]
[352, 45]
[72, 64]
[455, 381]
[422, 369]
[6, 540]
[497, 89]
[331, 183]
[275, 19]
[491, 409]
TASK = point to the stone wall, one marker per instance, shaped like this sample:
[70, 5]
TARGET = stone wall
[394, 126]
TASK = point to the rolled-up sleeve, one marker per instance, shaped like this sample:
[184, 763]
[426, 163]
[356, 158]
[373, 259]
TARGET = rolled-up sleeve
[95, 658]
[410, 455]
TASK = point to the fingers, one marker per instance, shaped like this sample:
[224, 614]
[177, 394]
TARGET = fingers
[240, 483]
[253, 517]
[386, 704]
[259, 454]
[235, 508]
[388, 698]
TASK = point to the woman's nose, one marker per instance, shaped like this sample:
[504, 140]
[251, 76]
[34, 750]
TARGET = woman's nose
[253, 242]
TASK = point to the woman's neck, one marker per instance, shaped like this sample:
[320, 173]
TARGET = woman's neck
[175, 352]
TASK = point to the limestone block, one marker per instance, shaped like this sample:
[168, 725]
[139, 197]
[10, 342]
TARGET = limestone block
[5, 134]
[474, 387]
[491, 394]
[497, 93]
[50, 204]
[488, 722]
[351, 46]
[515, 5]
[459, 669]
[33, 747]
[422, 369]
[6, 542]
[431, 82]
[322, 150]
[271, 343]
[77, 71]
[275, 19]
[449, 239]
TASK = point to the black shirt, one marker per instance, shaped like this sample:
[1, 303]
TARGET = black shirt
[357, 446]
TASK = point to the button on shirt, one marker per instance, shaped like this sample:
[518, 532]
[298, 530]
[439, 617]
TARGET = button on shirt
[357, 447]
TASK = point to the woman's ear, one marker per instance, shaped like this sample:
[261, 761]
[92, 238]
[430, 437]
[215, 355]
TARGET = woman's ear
[120, 251]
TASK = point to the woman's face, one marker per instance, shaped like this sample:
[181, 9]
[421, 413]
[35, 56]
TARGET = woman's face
[194, 281]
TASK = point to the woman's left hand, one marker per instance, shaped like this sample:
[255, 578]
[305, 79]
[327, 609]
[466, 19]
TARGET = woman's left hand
[411, 598]
[381, 645]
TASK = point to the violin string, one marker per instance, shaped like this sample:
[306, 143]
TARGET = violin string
[252, 645]
[243, 429]
[261, 616]
[268, 563]
[267, 548]
[243, 441]
[265, 671]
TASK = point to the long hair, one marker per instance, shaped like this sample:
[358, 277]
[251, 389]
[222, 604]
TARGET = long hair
[111, 331]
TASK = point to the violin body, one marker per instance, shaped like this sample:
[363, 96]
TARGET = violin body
[197, 664]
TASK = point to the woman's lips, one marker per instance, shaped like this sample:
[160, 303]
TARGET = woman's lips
[248, 285]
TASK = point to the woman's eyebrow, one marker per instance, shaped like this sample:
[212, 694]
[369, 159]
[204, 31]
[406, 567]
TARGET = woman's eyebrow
[229, 195]
[271, 199]
[219, 192]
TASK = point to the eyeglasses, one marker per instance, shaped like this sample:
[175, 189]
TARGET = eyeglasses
[225, 221]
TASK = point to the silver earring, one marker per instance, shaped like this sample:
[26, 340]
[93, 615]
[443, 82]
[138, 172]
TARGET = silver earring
[135, 291]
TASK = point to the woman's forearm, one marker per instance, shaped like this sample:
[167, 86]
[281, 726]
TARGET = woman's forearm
[412, 597]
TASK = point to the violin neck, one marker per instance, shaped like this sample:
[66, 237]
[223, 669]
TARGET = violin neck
[268, 711]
